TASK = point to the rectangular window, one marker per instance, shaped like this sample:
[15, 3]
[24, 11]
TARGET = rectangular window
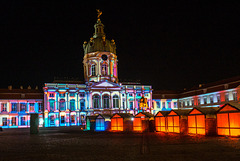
[72, 94]
[40, 107]
[205, 100]
[226, 97]
[82, 104]
[211, 99]
[235, 96]
[4, 121]
[192, 102]
[218, 98]
[131, 105]
[188, 103]
[169, 105]
[130, 95]
[72, 105]
[62, 119]
[23, 107]
[199, 101]
[51, 95]
[52, 118]
[4, 107]
[174, 104]
[13, 121]
[52, 105]
[23, 121]
[62, 95]
[14, 107]
[82, 94]
[72, 119]
[158, 104]
[123, 104]
[163, 106]
[31, 107]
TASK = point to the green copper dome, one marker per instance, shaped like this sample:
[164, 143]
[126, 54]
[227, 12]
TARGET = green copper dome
[99, 42]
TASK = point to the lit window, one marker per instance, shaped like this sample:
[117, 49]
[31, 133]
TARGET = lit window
[211, 99]
[4, 121]
[169, 105]
[40, 106]
[205, 100]
[218, 98]
[14, 107]
[235, 96]
[51, 95]
[51, 104]
[115, 101]
[31, 107]
[131, 105]
[3, 107]
[62, 95]
[23, 121]
[174, 104]
[106, 101]
[23, 107]
[62, 105]
[72, 94]
[104, 69]
[158, 104]
[93, 70]
[13, 121]
[226, 97]
[82, 104]
[163, 106]
[72, 105]
[96, 101]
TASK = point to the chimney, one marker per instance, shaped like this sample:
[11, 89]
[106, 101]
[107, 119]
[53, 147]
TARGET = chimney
[36, 87]
[29, 87]
[21, 87]
[10, 87]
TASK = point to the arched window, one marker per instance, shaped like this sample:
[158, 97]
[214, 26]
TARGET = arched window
[106, 101]
[96, 101]
[62, 105]
[115, 101]
[104, 69]
[93, 70]
[72, 105]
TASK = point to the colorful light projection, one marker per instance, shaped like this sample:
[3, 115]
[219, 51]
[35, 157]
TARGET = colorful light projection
[173, 122]
[196, 122]
[117, 123]
[228, 120]
[160, 122]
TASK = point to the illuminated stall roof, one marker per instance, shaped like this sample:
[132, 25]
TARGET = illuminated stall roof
[123, 115]
[145, 114]
[106, 117]
[178, 112]
[205, 111]
[162, 113]
[229, 107]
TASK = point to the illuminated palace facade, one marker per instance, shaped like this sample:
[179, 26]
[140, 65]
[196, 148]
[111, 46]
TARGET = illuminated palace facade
[67, 104]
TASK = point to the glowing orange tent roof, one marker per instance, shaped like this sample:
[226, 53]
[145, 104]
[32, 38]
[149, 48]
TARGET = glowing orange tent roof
[204, 110]
[162, 113]
[229, 107]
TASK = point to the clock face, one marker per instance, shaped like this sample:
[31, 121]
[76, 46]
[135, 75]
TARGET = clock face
[104, 57]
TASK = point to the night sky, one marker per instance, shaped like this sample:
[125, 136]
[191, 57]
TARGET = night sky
[167, 44]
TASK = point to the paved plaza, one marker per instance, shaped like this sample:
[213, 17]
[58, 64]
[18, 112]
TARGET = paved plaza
[71, 143]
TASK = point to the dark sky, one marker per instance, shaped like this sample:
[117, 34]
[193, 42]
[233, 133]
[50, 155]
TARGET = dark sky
[168, 44]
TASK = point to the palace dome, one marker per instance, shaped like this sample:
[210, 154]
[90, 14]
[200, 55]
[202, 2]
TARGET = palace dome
[99, 42]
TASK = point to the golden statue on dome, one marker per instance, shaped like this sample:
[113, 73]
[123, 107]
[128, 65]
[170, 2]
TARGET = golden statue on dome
[99, 13]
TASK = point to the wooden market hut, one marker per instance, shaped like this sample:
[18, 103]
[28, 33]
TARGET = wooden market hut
[103, 122]
[228, 119]
[121, 122]
[91, 123]
[143, 121]
[202, 121]
[160, 121]
[177, 121]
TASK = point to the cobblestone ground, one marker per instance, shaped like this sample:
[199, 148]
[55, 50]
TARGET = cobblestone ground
[70, 143]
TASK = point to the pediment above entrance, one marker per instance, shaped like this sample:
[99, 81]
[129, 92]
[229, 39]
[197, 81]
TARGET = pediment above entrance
[105, 85]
